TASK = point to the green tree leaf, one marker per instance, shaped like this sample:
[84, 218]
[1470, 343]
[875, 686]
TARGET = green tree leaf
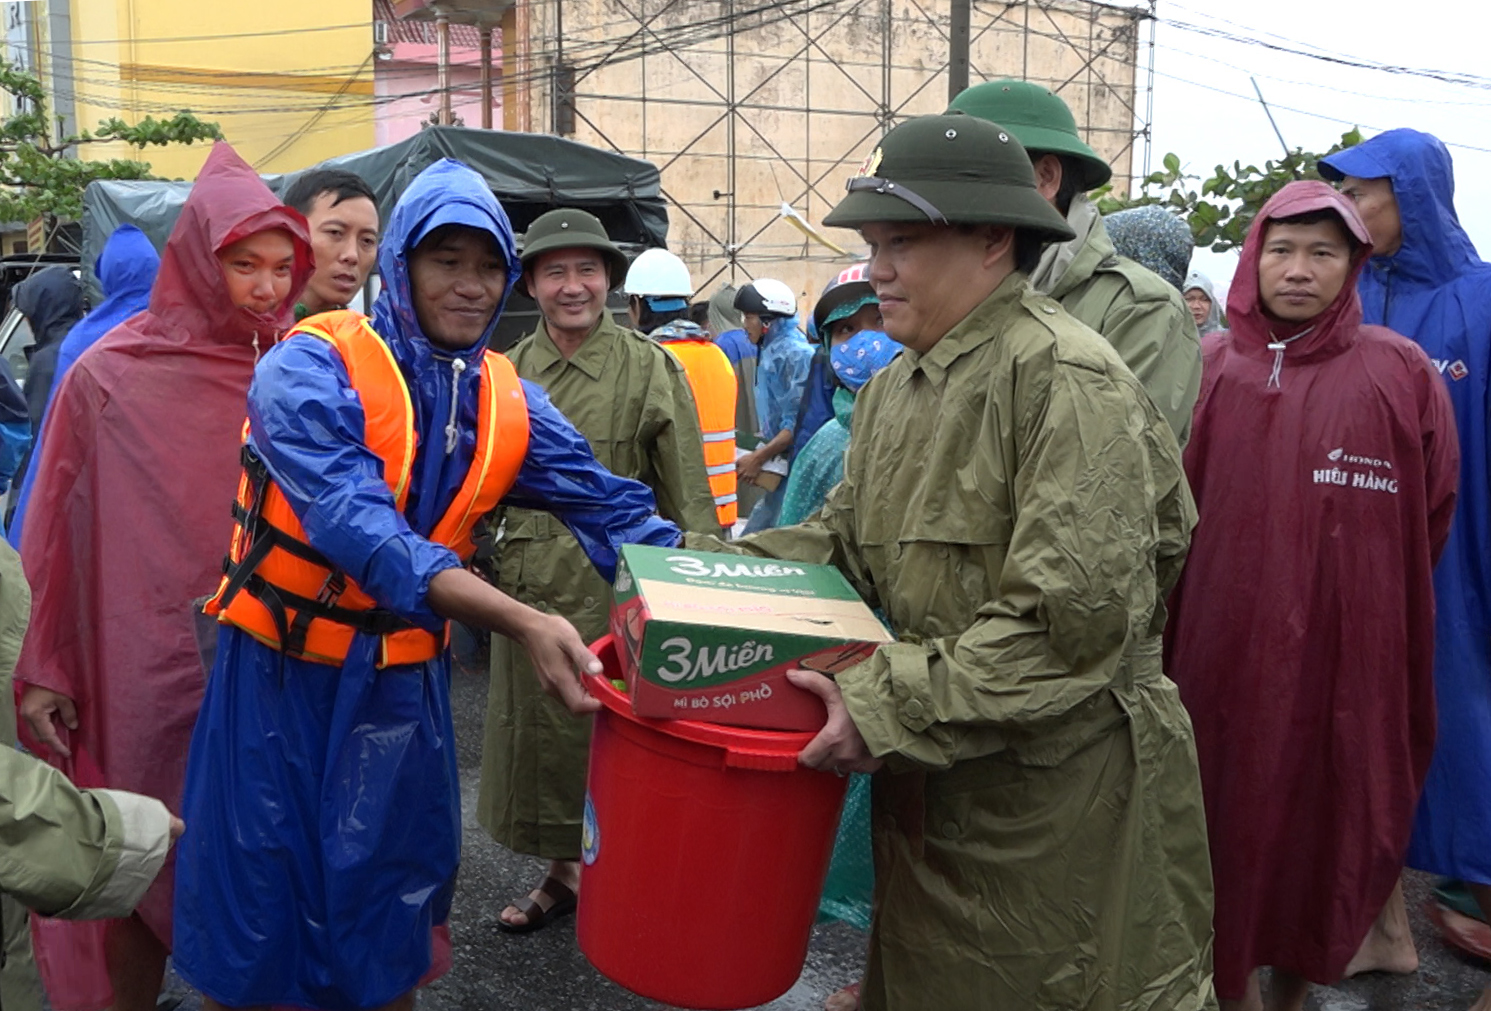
[1227, 202]
[40, 173]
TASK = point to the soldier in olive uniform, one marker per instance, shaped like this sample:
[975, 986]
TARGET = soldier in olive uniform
[630, 398]
[1014, 502]
[64, 852]
[1140, 313]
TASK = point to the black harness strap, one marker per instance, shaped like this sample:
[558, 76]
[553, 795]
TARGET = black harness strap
[262, 537]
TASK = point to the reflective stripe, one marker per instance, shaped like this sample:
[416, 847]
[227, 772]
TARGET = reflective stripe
[719, 436]
[724, 468]
[723, 500]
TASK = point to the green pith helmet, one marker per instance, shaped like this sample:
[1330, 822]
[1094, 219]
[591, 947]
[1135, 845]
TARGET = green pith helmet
[570, 228]
[949, 170]
[1038, 118]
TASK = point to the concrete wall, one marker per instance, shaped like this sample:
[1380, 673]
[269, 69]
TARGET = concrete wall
[811, 94]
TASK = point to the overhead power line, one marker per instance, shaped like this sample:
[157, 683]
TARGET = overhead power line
[1295, 48]
[1253, 100]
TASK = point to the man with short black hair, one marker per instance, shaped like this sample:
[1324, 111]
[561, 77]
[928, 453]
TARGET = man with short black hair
[1141, 315]
[1323, 461]
[343, 215]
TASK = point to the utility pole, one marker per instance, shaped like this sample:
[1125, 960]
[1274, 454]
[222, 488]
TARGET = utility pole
[442, 39]
[957, 64]
[486, 76]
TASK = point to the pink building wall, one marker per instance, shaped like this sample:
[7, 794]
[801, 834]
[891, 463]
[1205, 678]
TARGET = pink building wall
[407, 89]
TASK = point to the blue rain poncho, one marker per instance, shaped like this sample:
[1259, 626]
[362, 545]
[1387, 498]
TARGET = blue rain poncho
[126, 269]
[324, 803]
[1436, 290]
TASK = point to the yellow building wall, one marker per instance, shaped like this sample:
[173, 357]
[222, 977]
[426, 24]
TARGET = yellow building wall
[290, 82]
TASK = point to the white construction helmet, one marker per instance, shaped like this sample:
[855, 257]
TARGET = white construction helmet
[766, 296]
[658, 272]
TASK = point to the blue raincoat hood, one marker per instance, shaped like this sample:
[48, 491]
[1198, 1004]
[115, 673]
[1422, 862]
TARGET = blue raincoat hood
[126, 269]
[1435, 248]
[446, 193]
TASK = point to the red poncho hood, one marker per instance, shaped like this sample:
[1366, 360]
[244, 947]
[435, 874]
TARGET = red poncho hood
[1253, 329]
[228, 202]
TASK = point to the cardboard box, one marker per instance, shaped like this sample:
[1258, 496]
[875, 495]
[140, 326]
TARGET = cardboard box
[710, 637]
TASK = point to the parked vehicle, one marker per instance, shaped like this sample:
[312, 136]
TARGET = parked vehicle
[529, 173]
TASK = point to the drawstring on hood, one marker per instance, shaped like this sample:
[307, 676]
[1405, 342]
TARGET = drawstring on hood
[1277, 346]
[452, 430]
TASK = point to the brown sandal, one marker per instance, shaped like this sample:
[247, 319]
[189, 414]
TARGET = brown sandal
[536, 917]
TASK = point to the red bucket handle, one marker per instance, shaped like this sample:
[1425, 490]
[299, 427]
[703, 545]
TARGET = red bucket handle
[761, 761]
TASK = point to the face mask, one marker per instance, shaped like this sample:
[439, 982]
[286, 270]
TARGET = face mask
[861, 356]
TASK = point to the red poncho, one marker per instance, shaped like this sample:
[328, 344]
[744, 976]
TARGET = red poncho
[1302, 632]
[129, 520]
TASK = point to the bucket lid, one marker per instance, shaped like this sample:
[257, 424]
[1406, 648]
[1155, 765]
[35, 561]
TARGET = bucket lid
[744, 747]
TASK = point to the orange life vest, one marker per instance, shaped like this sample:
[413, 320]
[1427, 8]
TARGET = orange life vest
[284, 593]
[712, 379]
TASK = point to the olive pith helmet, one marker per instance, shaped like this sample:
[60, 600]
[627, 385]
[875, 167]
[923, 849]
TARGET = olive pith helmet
[1038, 118]
[951, 169]
[571, 228]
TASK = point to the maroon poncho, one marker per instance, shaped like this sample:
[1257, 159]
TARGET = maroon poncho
[129, 520]
[1302, 632]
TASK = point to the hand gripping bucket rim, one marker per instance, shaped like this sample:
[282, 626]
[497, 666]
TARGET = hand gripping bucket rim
[705, 848]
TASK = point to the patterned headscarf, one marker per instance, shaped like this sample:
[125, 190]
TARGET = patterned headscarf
[1155, 238]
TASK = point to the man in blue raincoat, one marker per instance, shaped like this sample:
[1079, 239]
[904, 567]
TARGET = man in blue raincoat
[323, 798]
[125, 270]
[1426, 281]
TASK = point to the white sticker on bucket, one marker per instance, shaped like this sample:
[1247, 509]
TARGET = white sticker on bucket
[590, 834]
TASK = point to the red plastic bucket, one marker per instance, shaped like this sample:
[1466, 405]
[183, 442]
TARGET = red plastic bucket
[705, 849]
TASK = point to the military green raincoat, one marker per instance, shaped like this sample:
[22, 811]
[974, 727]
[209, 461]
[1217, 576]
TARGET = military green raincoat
[630, 399]
[20, 986]
[76, 854]
[1142, 315]
[1016, 505]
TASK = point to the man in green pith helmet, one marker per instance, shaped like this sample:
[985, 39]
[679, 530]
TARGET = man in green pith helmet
[1014, 503]
[630, 398]
[1142, 315]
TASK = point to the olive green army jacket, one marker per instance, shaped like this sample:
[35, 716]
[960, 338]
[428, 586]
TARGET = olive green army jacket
[77, 854]
[1143, 317]
[1015, 504]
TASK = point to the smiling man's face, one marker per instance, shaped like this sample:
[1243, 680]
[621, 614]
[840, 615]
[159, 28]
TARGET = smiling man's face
[570, 288]
[458, 278]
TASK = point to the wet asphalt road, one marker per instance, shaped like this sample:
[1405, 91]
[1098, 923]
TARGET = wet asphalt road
[545, 971]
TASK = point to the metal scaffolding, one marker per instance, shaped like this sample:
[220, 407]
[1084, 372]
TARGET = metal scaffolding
[754, 107]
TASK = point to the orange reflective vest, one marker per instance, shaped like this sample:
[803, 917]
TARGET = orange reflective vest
[284, 593]
[712, 380]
